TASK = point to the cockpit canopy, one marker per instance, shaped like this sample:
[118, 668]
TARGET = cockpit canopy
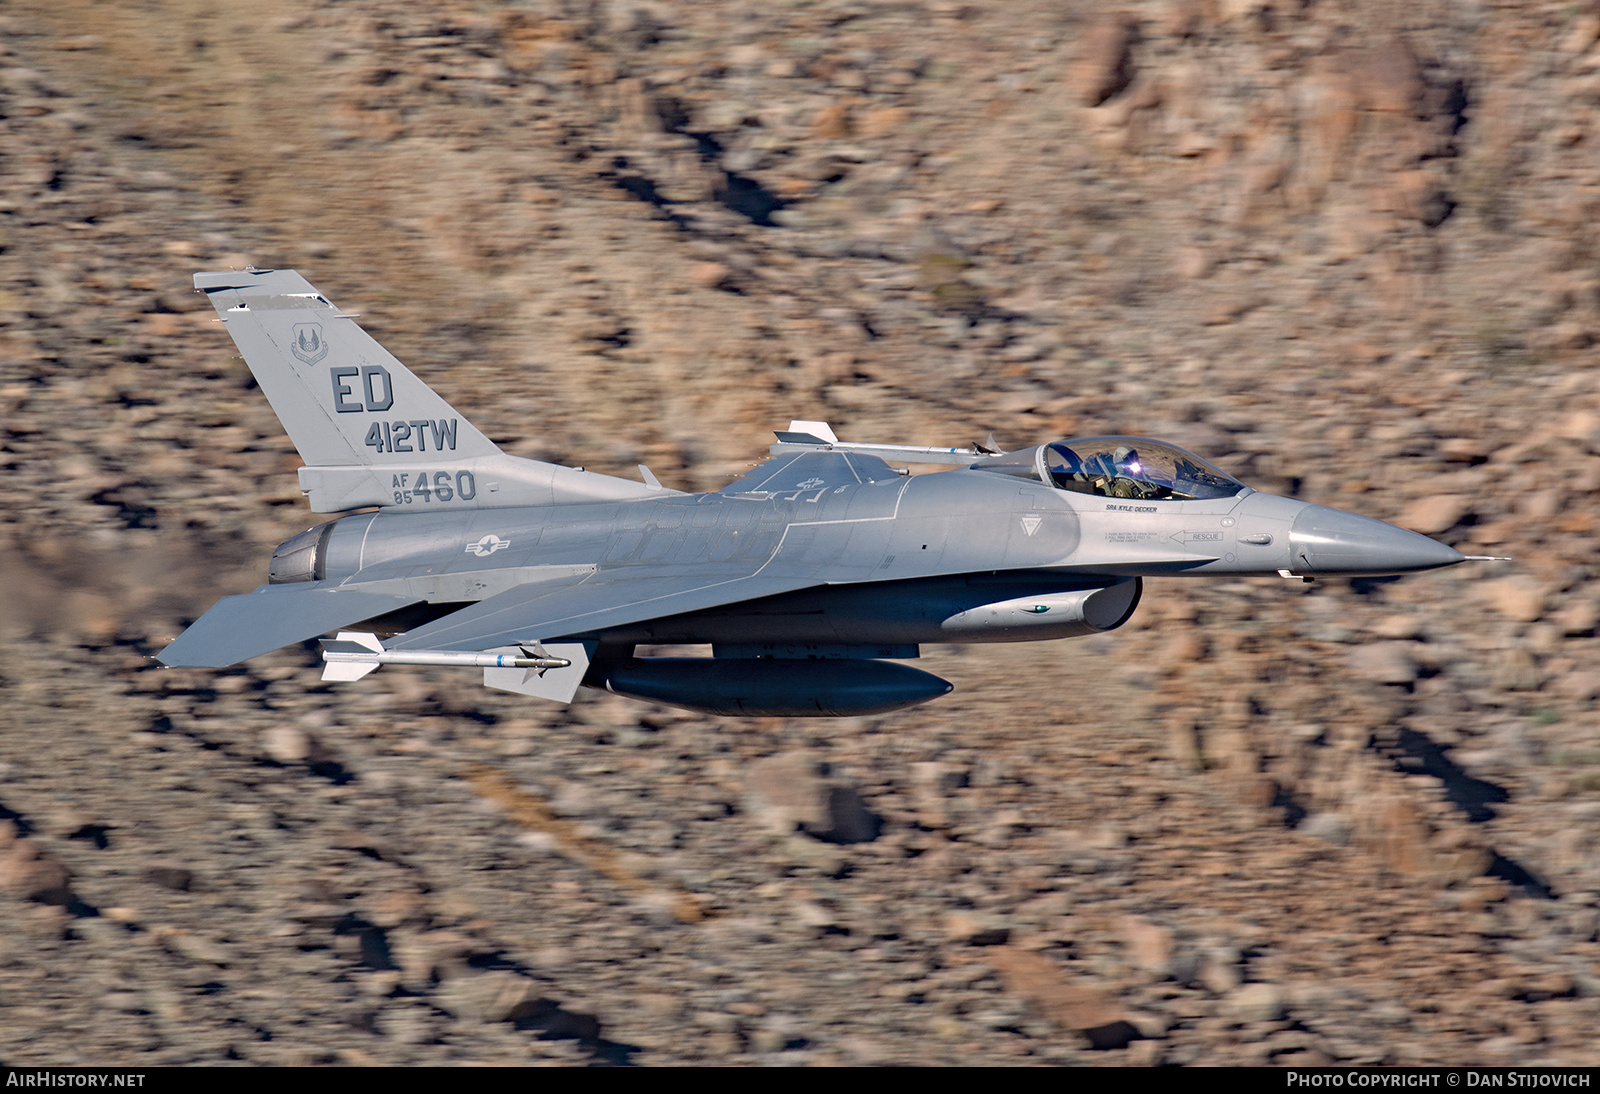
[1118, 467]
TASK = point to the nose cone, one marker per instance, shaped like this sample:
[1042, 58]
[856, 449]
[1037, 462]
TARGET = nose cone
[1331, 541]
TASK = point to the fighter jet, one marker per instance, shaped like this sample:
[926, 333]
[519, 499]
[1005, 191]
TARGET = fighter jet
[810, 577]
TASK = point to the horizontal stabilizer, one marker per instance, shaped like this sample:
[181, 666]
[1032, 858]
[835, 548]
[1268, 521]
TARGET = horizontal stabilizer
[238, 628]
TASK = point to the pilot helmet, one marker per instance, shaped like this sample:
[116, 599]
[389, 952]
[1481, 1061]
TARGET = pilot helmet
[1126, 459]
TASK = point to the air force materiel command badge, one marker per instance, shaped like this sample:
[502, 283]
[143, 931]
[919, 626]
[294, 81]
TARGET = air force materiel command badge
[487, 546]
[309, 345]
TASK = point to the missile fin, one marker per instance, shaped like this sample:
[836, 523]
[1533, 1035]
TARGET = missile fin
[347, 671]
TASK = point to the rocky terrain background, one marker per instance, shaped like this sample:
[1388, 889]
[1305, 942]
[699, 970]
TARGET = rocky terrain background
[1345, 248]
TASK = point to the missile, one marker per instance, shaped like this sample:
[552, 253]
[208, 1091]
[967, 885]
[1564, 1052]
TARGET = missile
[353, 654]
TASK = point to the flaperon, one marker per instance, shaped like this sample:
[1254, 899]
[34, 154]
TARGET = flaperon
[809, 577]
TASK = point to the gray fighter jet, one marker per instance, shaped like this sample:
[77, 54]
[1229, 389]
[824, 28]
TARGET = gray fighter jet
[810, 577]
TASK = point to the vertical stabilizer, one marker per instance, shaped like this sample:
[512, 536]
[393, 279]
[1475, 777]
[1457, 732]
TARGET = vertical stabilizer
[371, 433]
[342, 397]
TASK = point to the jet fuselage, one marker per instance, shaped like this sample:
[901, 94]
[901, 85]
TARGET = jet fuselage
[907, 559]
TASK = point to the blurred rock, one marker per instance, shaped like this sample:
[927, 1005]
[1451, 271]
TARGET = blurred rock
[194, 947]
[1187, 645]
[1462, 450]
[177, 878]
[1386, 662]
[1389, 78]
[29, 875]
[709, 275]
[1434, 515]
[1255, 1003]
[487, 996]
[1049, 993]
[1582, 425]
[833, 122]
[813, 916]
[423, 957]
[1580, 684]
[788, 791]
[975, 929]
[1103, 65]
[1585, 30]
[288, 744]
[1516, 598]
[882, 121]
[1398, 627]
[1149, 946]
[785, 792]
[1541, 504]
[1192, 263]
[1184, 742]
[1326, 826]
[1516, 670]
[1219, 969]
[1580, 617]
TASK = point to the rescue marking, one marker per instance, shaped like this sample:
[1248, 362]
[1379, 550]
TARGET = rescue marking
[1030, 524]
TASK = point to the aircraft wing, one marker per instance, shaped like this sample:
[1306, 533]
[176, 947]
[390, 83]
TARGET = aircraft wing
[238, 628]
[531, 613]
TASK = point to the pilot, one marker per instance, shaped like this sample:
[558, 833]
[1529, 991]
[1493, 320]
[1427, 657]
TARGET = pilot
[1129, 480]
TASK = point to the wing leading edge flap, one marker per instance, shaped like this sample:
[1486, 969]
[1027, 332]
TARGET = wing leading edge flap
[238, 628]
[535, 612]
